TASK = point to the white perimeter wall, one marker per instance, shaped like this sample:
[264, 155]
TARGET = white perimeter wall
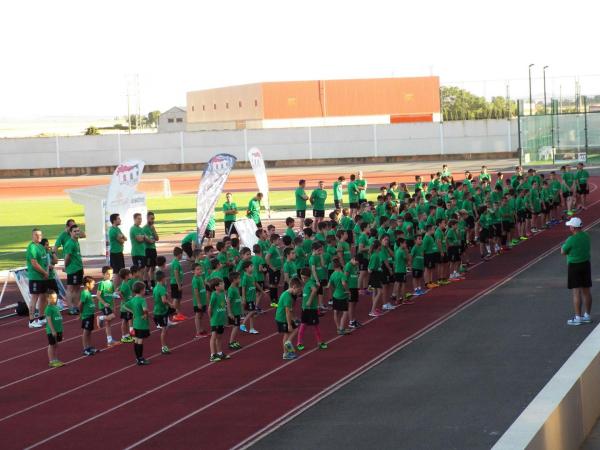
[475, 136]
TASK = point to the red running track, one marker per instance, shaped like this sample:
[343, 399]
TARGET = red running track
[183, 401]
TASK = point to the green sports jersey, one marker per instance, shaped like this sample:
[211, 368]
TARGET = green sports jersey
[254, 210]
[138, 306]
[218, 309]
[38, 253]
[337, 281]
[418, 261]
[176, 268]
[577, 248]
[285, 302]
[289, 268]
[113, 235]
[198, 291]
[53, 315]
[362, 195]
[485, 220]
[507, 213]
[125, 290]
[568, 179]
[351, 271]
[320, 267]
[400, 259]
[158, 293]
[337, 190]
[235, 300]
[275, 257]
[223, 258]
[582, 177]
[301, 258]
[62, 239]
[346, 223]
[190, 237]
[318, 197]
[344, 248]
[257, 262]
[299, 195]
[375, 262]
[106, 289]
[264, 246]
[352, 192]
[308, 289]
[149, 233]
[88, 306]
[137, 248]
[452, 238]
[249, 284]
[229, 206]
[291, 233]
[75, 263]
[429, 245]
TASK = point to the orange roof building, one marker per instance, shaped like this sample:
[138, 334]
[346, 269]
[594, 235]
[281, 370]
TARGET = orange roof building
[315, 103]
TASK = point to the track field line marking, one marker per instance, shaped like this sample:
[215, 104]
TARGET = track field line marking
[273, 426]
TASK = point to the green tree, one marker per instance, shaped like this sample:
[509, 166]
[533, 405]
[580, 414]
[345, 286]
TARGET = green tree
[153, 118]
[460, 104]
[92, 131]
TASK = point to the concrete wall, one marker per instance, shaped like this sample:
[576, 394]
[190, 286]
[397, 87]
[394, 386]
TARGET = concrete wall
[364, 141]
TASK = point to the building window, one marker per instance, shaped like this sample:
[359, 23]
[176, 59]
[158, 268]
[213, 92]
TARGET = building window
[170, 120]
[240, 103]
[203, 107]
[226, 105]
[214, 106]
[179, 120]
[256, 103]
[192, 107]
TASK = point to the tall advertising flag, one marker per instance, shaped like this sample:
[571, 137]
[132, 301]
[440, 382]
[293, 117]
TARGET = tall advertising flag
[260, 173]
[211, 185]
[121, 192]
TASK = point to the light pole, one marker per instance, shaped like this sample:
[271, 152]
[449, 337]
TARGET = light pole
[545, 67]
[530, 98]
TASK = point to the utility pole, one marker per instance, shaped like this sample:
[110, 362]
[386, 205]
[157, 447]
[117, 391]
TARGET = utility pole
[530, 97]
[545, 111]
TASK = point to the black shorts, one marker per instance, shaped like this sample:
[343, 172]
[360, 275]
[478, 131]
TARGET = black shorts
[250, 306]
[126, 315]
[75, 279]
[362, 200]
[209, 234]
[318, 213]
[236, 321]
[200, 309]
[52, 285]
[340, 305]
[187, 248]
[117, 262]
[417, 273]
[387, 277]
[521, 216]
[274, 276]
[54, 340]
[375, 279]
[363, 263]
[431, 259]
[353, 295]
[161, 320]
[353, 205]
[497, 229]
[301, 213]
[106, 311]
[282, 327]
[350, 239]
[151, 257]
[484, 235]
[566, 194]
[400, 277]
[230, 227]
[583, 189]
[219, 329]
[226, 282]
[175, 292]
[454, 254]
[38, 286]
[470, 221]
[507, 226]
[310, 317]
[579, 275]
[139, 261]
[141, 334]
[87, 323]
[444, 258]
[337, 204]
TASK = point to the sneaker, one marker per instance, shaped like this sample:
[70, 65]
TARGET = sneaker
[158, 327]
[165, 350]
[73, 311]
[253, 331]
[223, 356]
[357, 324]
[143, 362]
[170, 323]
[586, 318]
[94, 350]
[443, 282]
[232, 346]
[374, 314]
[35, 324]
[323, 345]
[88, 352]
[575, 321]
[42, 321]
[289, 347]
[56, 363]
[179, 317]
[352, 325]
[127, 340]
[523, 238]
[273, 305]
[300, 347]
[199, 335]
[243, 328]
[388, 307]
[289, 356]
[214, 358]
[110, 342]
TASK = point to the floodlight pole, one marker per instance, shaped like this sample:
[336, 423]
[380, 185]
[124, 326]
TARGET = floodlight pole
[545, 111]
[530, 97]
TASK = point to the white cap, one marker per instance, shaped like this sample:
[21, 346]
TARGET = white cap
[574, 222]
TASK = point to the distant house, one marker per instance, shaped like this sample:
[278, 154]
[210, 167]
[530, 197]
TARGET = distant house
[172, 120]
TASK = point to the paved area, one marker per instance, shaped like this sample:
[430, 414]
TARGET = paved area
[461, 385]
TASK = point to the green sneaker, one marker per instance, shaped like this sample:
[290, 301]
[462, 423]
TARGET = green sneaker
[165, 350]
[273, 305]
[300, 347]
[214, 358]
[127, 340]
[323, 345]
[289, 347]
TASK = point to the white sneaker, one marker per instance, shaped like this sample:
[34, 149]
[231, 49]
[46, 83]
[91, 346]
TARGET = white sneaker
[388, 307]
[253, 331]
[575, 321]
[586, 318]
[35, 324]
[170, 323]
[43, 321]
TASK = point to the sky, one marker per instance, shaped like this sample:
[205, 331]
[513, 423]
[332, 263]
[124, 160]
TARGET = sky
[77, 58]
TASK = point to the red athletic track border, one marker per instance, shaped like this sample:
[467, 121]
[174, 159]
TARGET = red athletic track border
[195, 404]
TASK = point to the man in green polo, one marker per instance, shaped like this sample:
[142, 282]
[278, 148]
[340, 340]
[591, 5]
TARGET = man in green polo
[579, 280]
[301, 198]
[37, 273]
[253, 211]
[317, 199]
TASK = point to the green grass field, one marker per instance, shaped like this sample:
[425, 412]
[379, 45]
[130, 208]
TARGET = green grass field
[173, 215]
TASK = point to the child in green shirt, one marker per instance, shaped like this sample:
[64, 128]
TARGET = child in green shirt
[162, 308]
[125, 295]
[217, 310]
[310, 316]
[234, 309]
[351, 272]
[88, 309]
[249, 289]
[198, 299]
[138, 308]
[339, 288]
[54, 329]
[284, 317]
[105, 294]
[177, 283]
